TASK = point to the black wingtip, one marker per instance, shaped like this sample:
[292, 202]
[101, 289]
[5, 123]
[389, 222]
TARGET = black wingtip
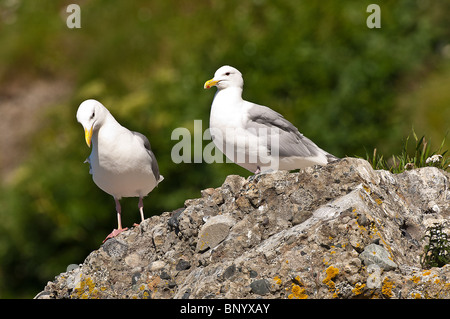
[332, 158]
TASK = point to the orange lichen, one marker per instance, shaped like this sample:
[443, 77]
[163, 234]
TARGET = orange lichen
[277, 280]
[415, 279]
[86, 289]
[331, 272]
[297, 292]
[358, 288]
[386, 288]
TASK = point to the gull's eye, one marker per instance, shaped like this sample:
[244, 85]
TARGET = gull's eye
[227, 74]
[93, 115]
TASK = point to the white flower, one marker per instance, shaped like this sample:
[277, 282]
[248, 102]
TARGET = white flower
[433, 159]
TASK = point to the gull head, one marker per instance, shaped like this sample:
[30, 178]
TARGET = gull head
[225, 77]
[91, 114]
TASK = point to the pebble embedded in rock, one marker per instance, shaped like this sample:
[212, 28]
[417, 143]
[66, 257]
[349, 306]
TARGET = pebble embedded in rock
[229, 272]
[183, 265]
[260, 287]
[376, 254]
[115, 248]
[214, 231]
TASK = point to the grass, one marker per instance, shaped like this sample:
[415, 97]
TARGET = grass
[422, 155]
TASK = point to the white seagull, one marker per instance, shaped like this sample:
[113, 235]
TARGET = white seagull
[255, 136]
[122, 163]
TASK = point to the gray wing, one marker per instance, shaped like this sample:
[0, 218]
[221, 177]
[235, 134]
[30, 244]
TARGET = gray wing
[154, 163]
[292, 142]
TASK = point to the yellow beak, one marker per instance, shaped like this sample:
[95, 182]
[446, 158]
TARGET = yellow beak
[210, 83]
[88, 136]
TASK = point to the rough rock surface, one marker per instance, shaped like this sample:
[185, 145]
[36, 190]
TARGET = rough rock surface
[337, 231]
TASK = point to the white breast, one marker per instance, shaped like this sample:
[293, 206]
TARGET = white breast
[227, 126]
[120, 164]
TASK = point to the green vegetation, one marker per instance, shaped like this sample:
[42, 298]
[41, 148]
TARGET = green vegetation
[422, 156]
[437, 251]
[347, 87]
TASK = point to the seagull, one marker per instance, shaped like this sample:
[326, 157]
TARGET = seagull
[122, 163]
[255, 136]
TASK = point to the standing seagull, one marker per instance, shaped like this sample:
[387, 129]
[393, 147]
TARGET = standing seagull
[255, 136]
[122, 163]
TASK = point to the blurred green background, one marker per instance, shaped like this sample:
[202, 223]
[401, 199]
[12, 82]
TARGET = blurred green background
[347, 87]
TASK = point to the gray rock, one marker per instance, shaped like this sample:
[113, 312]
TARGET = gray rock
[376, 254]
[183, 265]
[214, 231]
[115, 248]
[260, 287]
[229, 272]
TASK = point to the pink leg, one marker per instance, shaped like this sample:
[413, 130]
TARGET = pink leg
[141, 208]
[119, 229]
[119, 213]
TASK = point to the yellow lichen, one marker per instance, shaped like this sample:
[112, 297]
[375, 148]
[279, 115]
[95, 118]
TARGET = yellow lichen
[358, 288]
[146, 295]
[86, 289]
[367, 189]
[277, 280]
[386, 288]
[415, 279]
[331, 273]
[297, 292]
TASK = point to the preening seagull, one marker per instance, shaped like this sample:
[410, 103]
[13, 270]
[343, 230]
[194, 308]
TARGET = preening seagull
[122, 163]
[255, 136]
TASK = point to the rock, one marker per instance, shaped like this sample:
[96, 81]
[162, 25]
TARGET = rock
[342, 230]
[183, 265]
[173, 221]
[115, 248]
[260, 287]
[133, 260]
[229, 272]
[157, 265]
[376, 254]
[215, 230]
